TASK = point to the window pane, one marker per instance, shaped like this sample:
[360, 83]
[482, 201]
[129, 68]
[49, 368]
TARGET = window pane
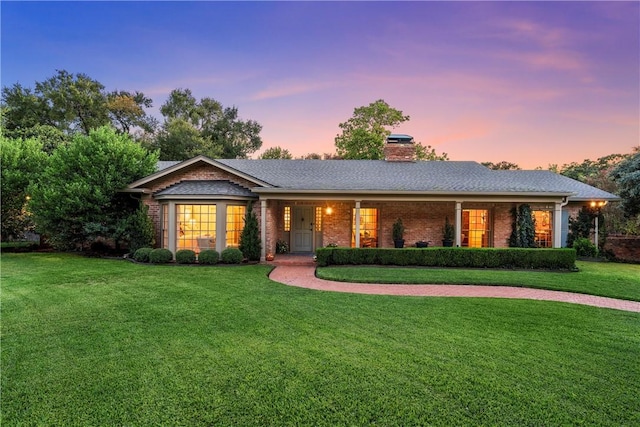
[544, 228]
[475, 228]
[318, 219]
[235, 224]
[165, 226]
[368, 228]
[196, 227]
[287, 218]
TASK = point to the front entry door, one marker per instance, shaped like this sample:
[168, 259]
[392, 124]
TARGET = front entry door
[302, 240]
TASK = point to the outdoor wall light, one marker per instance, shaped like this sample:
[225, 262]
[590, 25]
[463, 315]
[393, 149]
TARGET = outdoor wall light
[329, 210]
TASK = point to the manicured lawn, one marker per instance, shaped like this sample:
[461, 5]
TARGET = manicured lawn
[596, 278]
[100, 342]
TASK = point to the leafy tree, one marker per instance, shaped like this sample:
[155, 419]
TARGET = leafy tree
[250, 244]
[180, 140]
[581, 225]
[20, 164]
[312, 156]
[136, 230]
[501, 165]
[71, 103]
[221, 133]
[276, 153]
[428, 153]
[363, 135]
[627, 175]
[589, 170]
[77, 199]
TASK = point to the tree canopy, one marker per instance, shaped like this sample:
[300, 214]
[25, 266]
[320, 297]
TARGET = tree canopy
[204, 127]
[70, 103]
[76, 198]
[276, 153]
[627, 175]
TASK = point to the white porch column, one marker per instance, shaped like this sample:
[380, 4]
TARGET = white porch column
[263, 229]
[357, 230]
[557, 225]
[173, 227]
[458, 241]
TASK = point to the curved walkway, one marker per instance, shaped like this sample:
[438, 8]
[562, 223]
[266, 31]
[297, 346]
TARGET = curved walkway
[304, 276]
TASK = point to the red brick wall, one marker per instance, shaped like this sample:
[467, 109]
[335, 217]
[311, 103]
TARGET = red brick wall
[625, 248]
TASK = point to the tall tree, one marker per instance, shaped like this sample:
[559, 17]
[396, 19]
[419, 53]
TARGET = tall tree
[71, 103]
[363, 135]
[77, 197]
[276, 153]
[220, 130]
[21, 162]
[428, 153]
[627, 175]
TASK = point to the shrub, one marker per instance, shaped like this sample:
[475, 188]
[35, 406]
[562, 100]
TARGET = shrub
[142, 254]
[282, 247]
[250, 244]
[160, 256]
[185, 256]
[584, 247]
[231, 256]
[208, 257]
[451, 257]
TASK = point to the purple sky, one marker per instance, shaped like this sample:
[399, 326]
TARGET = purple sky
[532, 83]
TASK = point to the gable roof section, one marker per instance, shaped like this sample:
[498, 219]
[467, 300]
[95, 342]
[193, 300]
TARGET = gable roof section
[168, 167]
[208, 189]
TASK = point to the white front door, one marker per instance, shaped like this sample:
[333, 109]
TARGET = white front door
[302, 228]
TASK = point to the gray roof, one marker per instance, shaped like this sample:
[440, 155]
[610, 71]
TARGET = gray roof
[206, 188]
[448, 177]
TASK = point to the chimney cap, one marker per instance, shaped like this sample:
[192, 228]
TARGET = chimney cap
[399, 138]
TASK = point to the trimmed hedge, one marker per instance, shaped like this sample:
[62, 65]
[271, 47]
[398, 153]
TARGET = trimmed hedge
[185, 256]
[160, 256]
[142, 254]
[208, 257]
[231, 256]
[527, 258]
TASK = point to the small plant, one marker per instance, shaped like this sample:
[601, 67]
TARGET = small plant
[160, 256]
[282, 247]
[185, 256]
[142, 254]
[584, 247]
[398, 230]
[332, 245]
[208, 257]
[448, 233]
[231, 256]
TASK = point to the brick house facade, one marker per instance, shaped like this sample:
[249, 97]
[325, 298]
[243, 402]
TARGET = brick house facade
[199, 203]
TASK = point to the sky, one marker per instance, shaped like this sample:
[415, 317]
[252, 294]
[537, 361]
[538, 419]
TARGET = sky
[532, 83]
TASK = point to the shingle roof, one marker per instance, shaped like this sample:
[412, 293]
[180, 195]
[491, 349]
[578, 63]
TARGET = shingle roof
[206, 188]
[448, 177]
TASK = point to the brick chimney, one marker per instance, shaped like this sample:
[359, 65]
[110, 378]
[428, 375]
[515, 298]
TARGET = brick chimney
[399, 148]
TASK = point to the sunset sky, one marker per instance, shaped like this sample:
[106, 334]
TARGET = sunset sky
[533, 83]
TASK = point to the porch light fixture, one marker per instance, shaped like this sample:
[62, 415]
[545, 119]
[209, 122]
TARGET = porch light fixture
[329, 210]
[596, 206]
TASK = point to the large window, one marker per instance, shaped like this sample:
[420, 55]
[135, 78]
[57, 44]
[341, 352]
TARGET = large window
[476, 228]
[368, 228]
[235, 224]
[196, 227]
[544, 229]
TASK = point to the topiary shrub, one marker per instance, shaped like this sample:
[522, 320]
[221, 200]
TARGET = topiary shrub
[250, 244]
[185, 256]
[584, 247]
[231, 256]
[142, 254]
[208, 257]
[160, 256]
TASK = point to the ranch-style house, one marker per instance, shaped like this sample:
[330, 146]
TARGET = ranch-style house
[200, 203]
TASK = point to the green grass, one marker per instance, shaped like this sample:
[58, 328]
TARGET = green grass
[100, 342]
[596, 278]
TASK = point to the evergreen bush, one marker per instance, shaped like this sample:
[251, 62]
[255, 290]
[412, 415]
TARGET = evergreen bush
[160, 256]
[185, 256]
[584, 247]
[250, 244]
[208, 257]
[231, 256]
[142, 254]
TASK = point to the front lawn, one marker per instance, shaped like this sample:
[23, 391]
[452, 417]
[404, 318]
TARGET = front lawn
[612, 280]
[103, 342]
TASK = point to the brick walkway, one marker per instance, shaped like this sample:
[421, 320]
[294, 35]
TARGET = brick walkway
[304, 276]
